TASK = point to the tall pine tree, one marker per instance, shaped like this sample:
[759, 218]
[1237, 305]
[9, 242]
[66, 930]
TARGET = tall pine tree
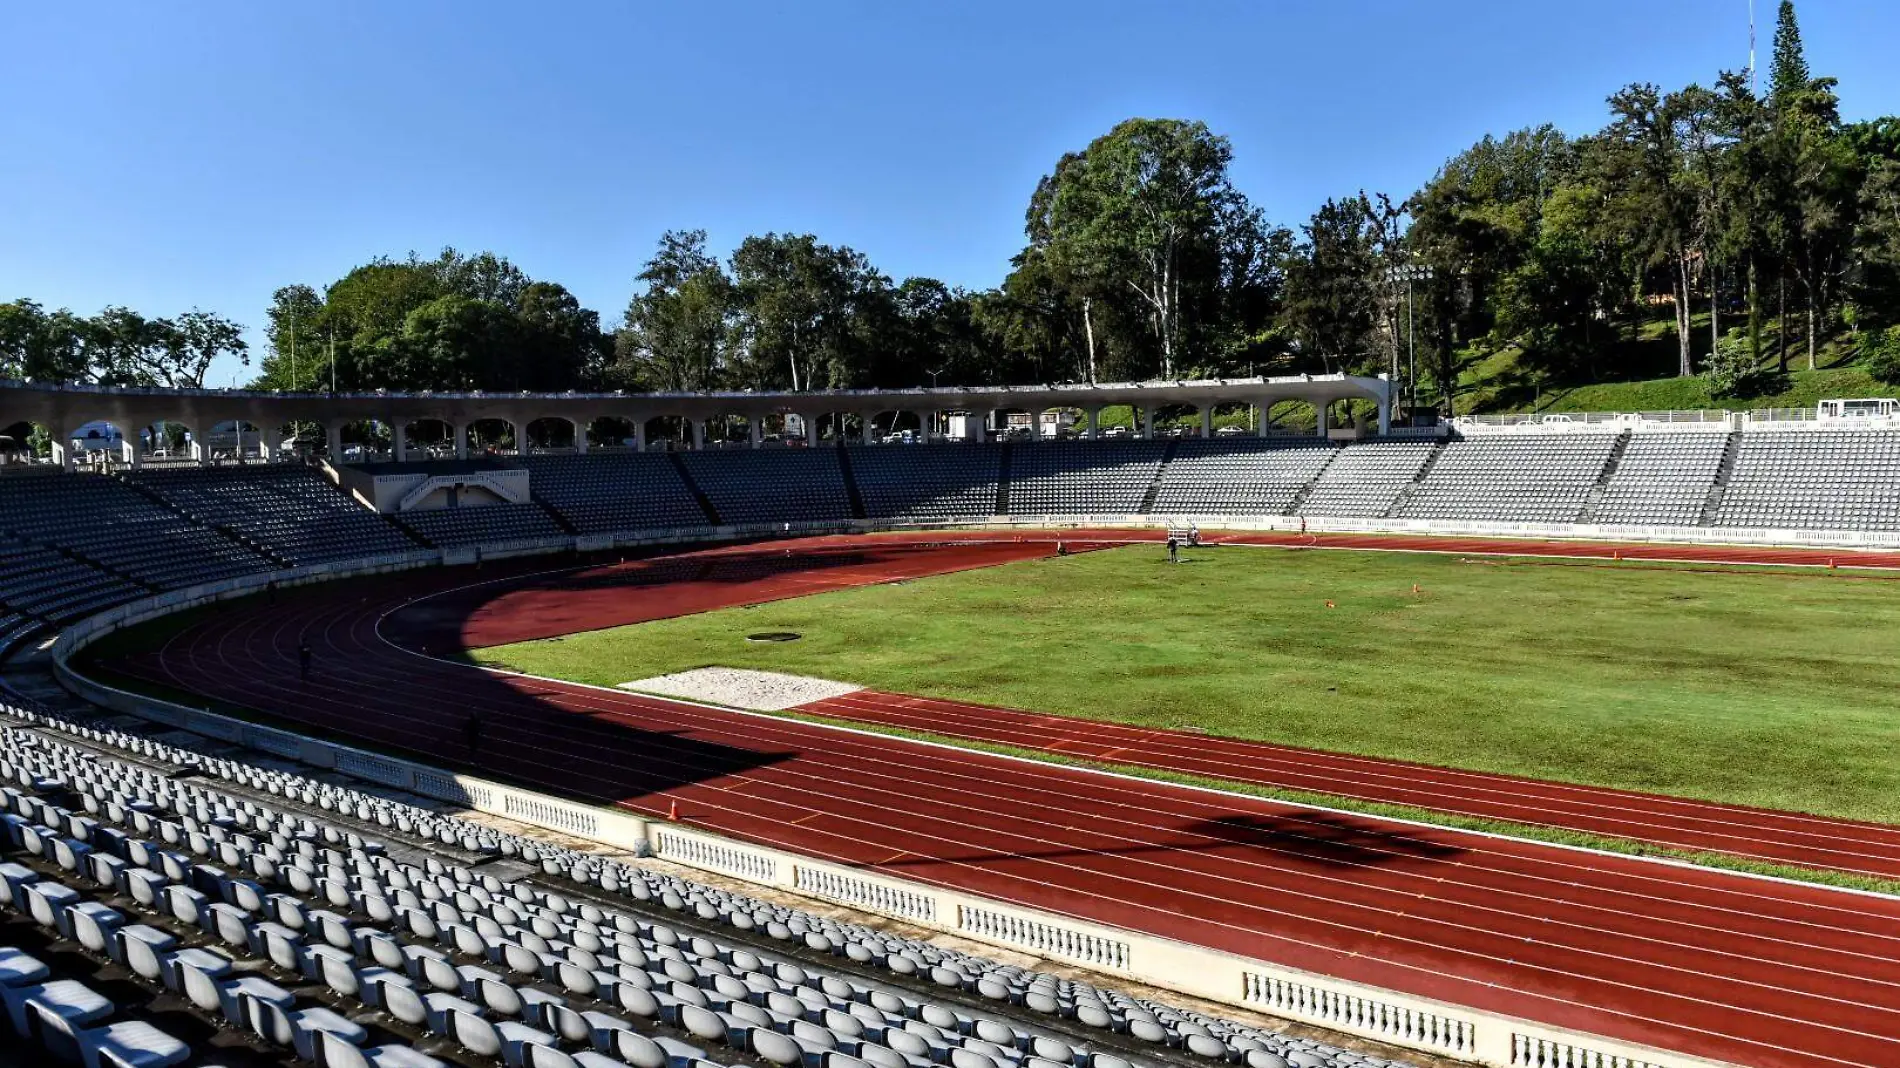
[1788, 78]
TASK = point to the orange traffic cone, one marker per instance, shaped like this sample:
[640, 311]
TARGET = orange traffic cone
[1617, 555]
[1415, 587]
[1830, 563]
[673, 811]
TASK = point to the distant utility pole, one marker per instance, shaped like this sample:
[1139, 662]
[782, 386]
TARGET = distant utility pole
[1409, 274]
[1751, 46]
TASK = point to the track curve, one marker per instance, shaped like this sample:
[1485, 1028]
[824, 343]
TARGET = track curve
[1724, 966]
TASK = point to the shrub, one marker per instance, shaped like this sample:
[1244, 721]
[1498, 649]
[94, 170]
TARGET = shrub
[1881, 353]
[1733, 371]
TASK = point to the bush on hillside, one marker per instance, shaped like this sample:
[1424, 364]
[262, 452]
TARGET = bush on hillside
[1733, 371]
[1881, 354]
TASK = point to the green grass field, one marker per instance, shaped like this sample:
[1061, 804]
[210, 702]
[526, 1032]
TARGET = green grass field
[1770, 688]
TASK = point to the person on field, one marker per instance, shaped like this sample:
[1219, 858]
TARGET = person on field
[303, 660]
[1174, 549]
[472, 733]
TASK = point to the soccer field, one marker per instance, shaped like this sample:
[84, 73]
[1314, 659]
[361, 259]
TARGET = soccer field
[1763, 687]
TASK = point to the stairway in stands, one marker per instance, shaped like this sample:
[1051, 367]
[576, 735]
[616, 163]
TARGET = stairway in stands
[1300, 496]
[1589, 513]
[1154, 484]
[1713, 504]
[1002, 479]
[851, 493]
[686, 478]
[1424, 471]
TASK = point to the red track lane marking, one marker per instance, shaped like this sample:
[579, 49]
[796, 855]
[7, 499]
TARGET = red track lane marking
[1423, 786]
[269, 663]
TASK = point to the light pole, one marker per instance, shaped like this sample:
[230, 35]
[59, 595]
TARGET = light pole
[1409, 274]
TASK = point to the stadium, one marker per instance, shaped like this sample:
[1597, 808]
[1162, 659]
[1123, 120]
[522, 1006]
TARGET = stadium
[355, 754]
[1054, 535]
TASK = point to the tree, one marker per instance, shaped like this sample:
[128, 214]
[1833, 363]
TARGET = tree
[294, 329]
[41, 346]
[677, 327]
[1653, 195]
[190, 343]
[805, 309]
[1144, 211]
[1788, 72]
[1332, 285]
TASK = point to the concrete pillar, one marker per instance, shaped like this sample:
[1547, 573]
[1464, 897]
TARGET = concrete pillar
[1260, 419]
[333, 441]
[62, 452]
[811, 429]
[1207, 420]
[699, 433]
[868, 431]
[1385, 417]
[129, 450]
[400, 434]
[268, 446]
[1145, 420]
[521, 438]
[639, 433]
[461, 440]
[580, 435]
[981, 418]
[197, 451]
[1320, 410]
[755, 429]
[1095, 423]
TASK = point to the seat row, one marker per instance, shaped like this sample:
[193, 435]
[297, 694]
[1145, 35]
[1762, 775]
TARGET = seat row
[501, 921]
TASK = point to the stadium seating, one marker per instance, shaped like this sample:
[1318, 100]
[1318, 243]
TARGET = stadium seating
[1663, 479]
[1366, 478]
[1512, 478]
[1082, 477]
[601, 493]
[110, 524]
[218, 890]
[36, 581]
[1831, 479]
[1242, 476]
[292, 511]
[771, 485]
[488, 524]
[927, 481]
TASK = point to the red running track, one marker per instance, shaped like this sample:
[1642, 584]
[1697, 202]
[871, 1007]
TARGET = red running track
[1791, 838]
[1720, 965]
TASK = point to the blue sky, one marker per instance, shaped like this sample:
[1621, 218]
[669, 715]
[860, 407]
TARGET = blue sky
[166, 156]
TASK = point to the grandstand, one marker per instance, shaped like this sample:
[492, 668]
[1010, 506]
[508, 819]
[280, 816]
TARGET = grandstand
[338, 926]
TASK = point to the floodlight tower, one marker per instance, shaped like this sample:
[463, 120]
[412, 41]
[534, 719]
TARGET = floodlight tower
[1410, 273]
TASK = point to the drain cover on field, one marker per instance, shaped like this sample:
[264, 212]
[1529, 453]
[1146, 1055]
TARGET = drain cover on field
[774, 636]
[764, 691]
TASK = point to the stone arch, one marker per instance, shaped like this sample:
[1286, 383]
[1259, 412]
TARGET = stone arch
[1015, 423]
[609, 432]
[232, 441]
[1061, 421]
[491, 434]
[427, 437]
[552, 433]
[666, 432]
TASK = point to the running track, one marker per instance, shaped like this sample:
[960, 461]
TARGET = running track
[1701, 961]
